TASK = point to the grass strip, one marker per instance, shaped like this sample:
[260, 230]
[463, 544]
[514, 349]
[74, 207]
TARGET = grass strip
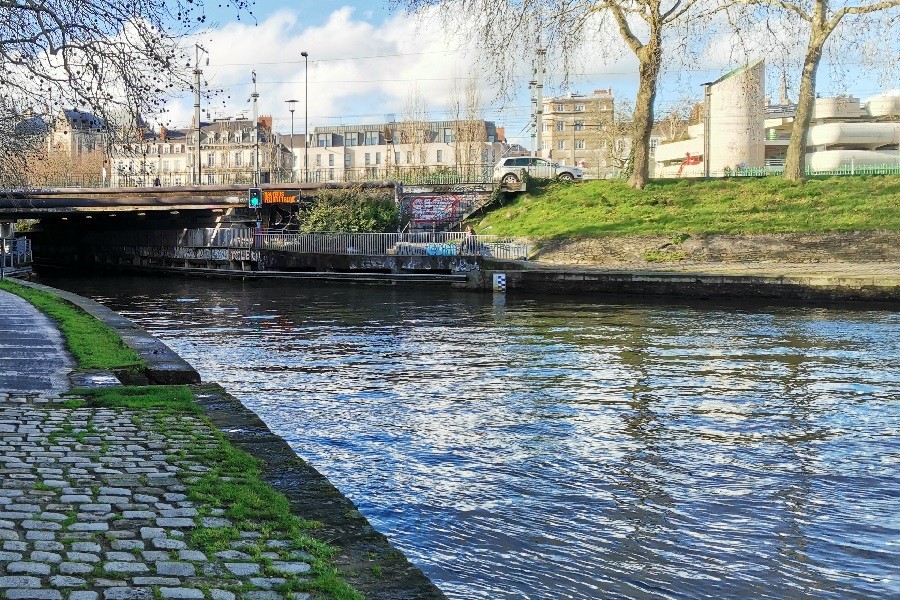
[233, 484]
[727, 206]
[93, 344]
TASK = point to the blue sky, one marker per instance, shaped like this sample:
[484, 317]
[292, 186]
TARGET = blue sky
[364, 61]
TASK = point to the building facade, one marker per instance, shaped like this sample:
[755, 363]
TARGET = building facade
[747, 132]
[579, 130]
[229, 152]
[391, 149]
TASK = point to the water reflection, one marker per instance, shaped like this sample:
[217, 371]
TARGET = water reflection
[526, 448]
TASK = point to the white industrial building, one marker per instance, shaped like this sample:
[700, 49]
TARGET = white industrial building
[748, 132]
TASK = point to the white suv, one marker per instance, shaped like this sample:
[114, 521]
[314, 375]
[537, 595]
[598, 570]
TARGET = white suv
[509, 170]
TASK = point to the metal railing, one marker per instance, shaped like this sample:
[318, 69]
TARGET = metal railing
[407, 175]
[394, 244]
[15, 255]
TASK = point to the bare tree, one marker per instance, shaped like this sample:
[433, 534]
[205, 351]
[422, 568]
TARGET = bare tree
[415, 128]
[509, 31]
[117, 59]
[469, 132]
[822, 18]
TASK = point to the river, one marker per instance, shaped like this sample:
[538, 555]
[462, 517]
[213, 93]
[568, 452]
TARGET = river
[571, 448]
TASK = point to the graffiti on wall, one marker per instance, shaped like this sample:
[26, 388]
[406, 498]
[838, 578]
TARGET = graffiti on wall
[436, 208]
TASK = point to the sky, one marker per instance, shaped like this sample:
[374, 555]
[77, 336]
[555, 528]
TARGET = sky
[365, 60]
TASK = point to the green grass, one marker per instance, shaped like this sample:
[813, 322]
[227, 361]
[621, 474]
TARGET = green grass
[732, 206]
[93, 344]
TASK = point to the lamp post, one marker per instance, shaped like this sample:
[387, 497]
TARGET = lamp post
[291, 105]
[305, 115]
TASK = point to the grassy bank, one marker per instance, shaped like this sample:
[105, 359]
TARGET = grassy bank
[93, 344]
[733, 206]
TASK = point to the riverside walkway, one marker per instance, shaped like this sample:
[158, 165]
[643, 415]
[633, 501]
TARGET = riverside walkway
[95, 502]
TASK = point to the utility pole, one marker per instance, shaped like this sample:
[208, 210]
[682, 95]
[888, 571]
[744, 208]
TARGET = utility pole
[291, 105]
[255, 97]
[539, 101]
[197, 72]
[305, 56]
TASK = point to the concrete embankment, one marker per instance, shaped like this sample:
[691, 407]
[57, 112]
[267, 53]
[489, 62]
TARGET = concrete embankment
[96, 502]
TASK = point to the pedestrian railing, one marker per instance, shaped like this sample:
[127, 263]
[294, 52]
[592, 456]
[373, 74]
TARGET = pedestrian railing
[394, 244]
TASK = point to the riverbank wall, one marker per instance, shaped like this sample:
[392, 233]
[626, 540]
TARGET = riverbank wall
[365, 557]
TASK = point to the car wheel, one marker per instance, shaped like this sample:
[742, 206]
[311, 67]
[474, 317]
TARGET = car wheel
[565, 177]
[509, 178]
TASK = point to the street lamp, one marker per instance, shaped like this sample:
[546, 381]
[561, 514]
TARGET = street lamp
[305, 115]
[291, 105]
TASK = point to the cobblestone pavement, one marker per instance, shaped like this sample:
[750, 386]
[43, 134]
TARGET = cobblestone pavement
[32, 352]
[94, 506]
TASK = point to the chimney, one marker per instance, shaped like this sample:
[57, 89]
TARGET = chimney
[163, 133]
[265, 122]
[501, 133]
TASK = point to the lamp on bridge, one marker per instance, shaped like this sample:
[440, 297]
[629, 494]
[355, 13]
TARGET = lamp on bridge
[291, 105]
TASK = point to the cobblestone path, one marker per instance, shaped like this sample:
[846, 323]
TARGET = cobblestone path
[94, 506]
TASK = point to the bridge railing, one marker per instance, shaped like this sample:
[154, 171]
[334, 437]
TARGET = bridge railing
[406, 174]
[394, 244]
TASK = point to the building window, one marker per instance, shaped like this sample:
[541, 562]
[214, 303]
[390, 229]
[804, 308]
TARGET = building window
[546, 127]
[409, 158]
[440, 156]
[561, 145]
[368, 158]
[545, 144]
[491, 139]
[560, 107]
[210, 178]
[238, 159]
[560, 126]
[448, 136]
[378, 158]
[396, 158]
[422, 157]
[579, 125]
[351, 139]
[579, 144]
[211, 159]
[323, 140]
[331, 160]
[371, 138]
[579, 108]
[223, 158]
[318, 160]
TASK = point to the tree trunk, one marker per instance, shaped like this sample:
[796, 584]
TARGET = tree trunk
[795, 160]
[650, 57]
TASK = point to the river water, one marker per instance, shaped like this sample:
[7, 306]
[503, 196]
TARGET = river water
[551, 448]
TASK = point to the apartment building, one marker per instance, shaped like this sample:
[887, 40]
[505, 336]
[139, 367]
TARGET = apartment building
[373, 150]
[229, 151]
[578, 130]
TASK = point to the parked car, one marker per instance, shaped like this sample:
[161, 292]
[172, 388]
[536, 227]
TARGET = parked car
[509, 170]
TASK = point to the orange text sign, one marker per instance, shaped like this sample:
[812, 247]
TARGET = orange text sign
[280, 197]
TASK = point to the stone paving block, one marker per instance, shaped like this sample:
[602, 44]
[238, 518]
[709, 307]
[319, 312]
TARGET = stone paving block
[82, 557]
[124, 593]
[262, 595]
[19, 581]
[66, 581]
[87, 547]
[192, 555]
[267, 583]
[40, 535]
[75, 568]
[167, 581]
[10, 556]
[89, 527]
[49, 546]
[120, 556]
[291, 568]
[177, 569]
[31, 568]
[168, 544]
[233, 555]
[127, 545]
[221, 595]
[33, 595]
[125, 567]
[180, 593]
[84, 595]
[47, 557]
[243, 569]
[175, 522]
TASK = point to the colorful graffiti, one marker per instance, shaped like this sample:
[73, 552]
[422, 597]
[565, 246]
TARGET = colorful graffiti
[432, 209]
